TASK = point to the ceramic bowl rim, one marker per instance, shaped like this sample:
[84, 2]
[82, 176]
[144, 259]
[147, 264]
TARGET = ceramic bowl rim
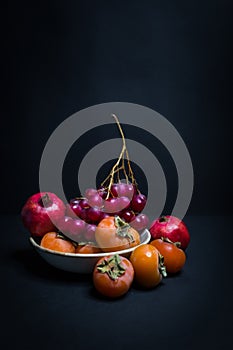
[89, 255]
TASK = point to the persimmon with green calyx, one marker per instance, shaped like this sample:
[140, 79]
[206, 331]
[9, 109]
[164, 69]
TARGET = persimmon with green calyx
[113, 234]
[148, 266]
[174, 257]
[113, 276]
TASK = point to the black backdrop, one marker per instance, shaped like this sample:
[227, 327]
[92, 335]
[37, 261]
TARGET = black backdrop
[172, 56]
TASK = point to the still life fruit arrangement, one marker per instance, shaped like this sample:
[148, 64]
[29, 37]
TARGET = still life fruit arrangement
[106, 222]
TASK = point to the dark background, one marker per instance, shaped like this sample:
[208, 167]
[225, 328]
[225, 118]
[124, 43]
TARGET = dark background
[172, 56]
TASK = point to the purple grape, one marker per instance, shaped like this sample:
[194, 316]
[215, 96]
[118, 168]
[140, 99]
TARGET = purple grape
[128, 191]
[74, 201]
[127, 215]
[72, 228]
[102, 192]
[90, 192]
[76, 229]
[140, 222]
[115, 189]
[69, 211]
[84, 203]
[73, 210]
[63, 224]
[89, 233]
[138, 202]
[111, 205]
[123, 203]
[94, 215]
[83, 214]
[123, 190]
[95, 201]
[105, 215]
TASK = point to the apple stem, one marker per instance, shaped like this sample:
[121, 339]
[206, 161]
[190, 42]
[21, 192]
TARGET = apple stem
[163, 219]
[46, 201]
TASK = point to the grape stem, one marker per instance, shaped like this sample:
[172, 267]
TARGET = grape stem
[118, 167]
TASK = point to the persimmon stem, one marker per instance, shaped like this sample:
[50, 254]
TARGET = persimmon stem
[162, 268]
[112, 266]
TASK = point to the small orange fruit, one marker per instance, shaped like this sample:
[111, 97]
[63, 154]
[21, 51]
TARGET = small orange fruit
[55, 241]
[87, 249]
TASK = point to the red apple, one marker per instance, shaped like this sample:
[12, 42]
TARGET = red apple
[172, 228]
[40, 213]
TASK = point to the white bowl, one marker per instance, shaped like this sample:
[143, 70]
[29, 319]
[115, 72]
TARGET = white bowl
[81, 263]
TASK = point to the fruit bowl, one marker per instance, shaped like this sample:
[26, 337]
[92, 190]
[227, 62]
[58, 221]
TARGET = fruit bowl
[81, 263]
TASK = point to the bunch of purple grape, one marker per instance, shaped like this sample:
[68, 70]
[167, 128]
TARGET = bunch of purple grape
[84, 214]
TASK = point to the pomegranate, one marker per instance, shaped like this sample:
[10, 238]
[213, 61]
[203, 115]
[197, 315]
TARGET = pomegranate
[172, 228]
[40, 213]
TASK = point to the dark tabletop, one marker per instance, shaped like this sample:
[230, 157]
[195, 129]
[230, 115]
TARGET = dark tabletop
[43, 307]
